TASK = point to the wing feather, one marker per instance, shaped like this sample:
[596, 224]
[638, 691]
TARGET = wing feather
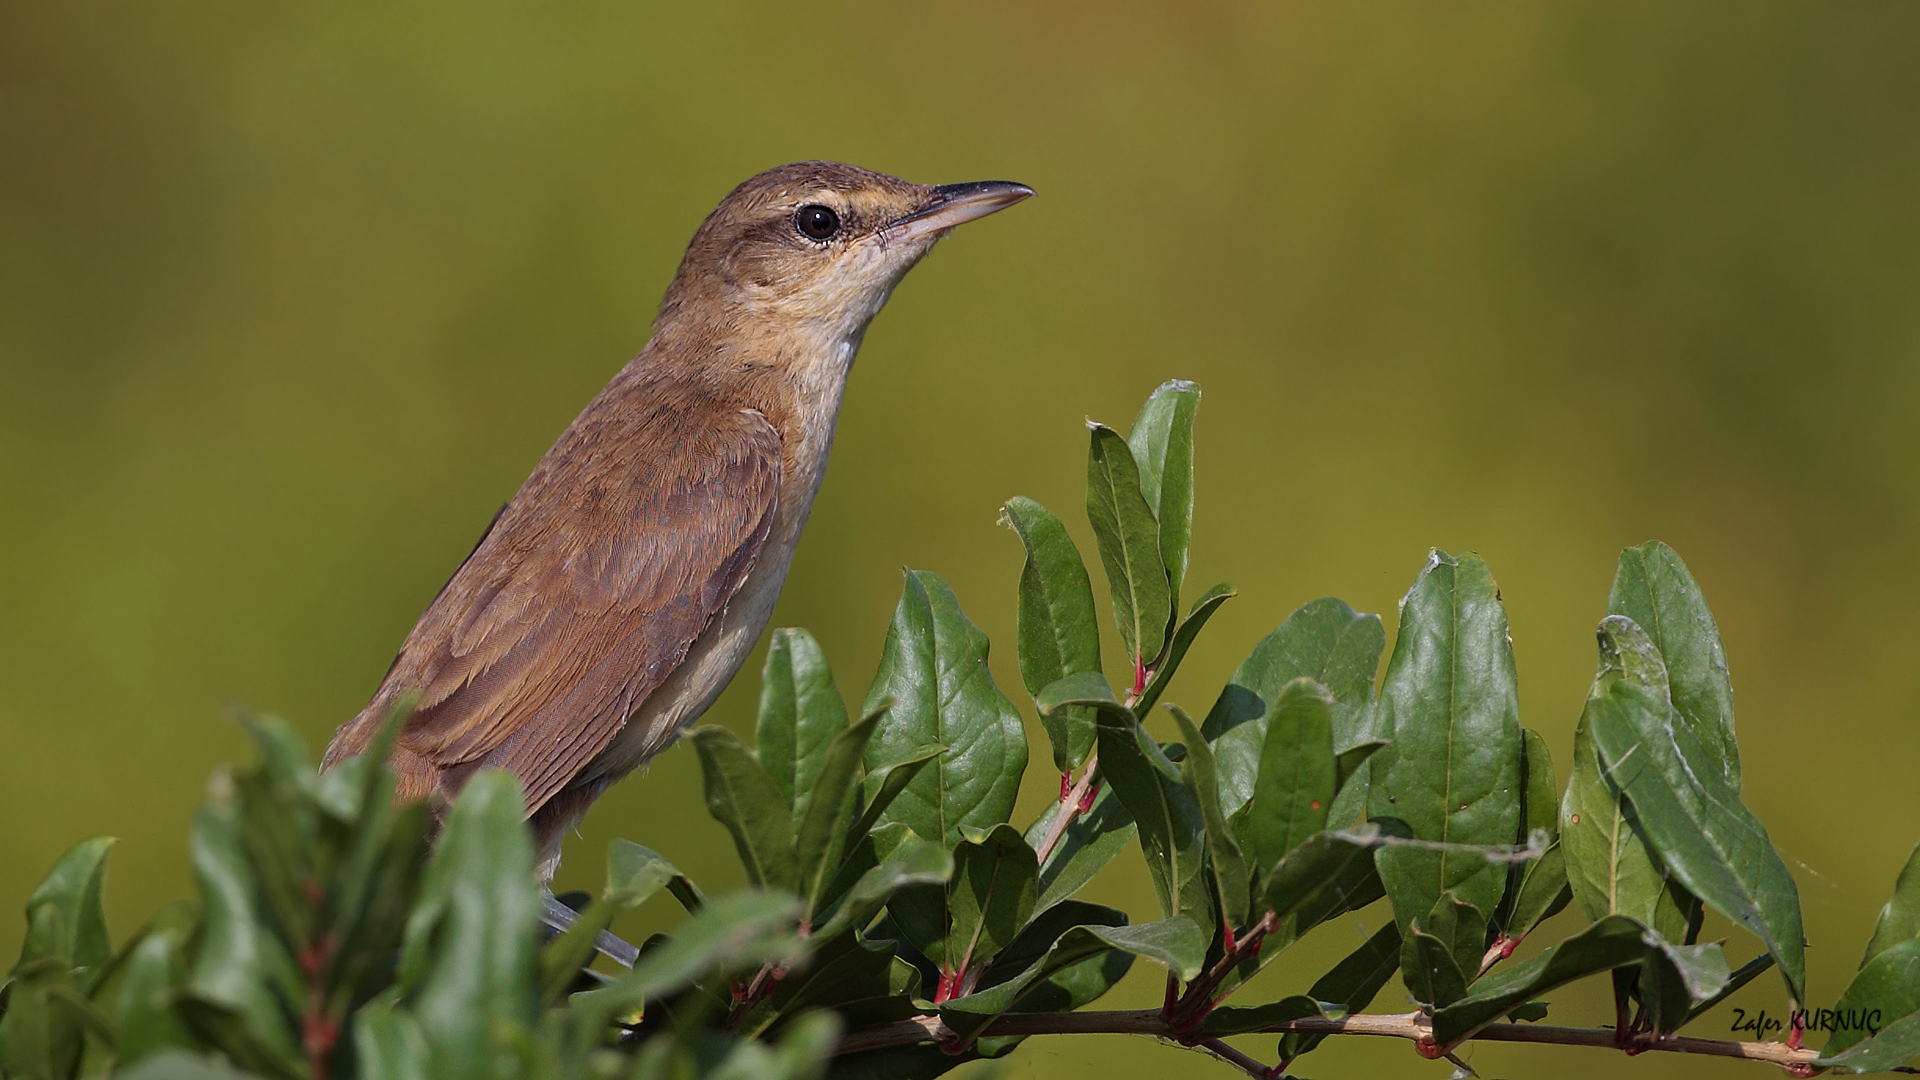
[591, 587]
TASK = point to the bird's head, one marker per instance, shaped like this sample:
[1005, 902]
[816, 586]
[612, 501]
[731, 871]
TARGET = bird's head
[815, 247]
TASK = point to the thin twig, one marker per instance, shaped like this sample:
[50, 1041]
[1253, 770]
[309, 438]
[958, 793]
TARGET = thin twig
[1068, 809]
[1252, 1066]
[1410, 1026]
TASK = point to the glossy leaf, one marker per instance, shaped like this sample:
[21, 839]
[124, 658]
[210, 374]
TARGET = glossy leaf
[1610, 868]
[1543, 891]
[1059, 626]
[989, 898]
[934, 666]
[744, 798]
[1888, 984]
[1443, 953]
[1900, 917]
[1161, 441]
[1614, 941]
[1091, 841]
[886, 781]
[1324, 641]
[1452, 772]
[1352, 983]
[1748, 971]
[915, 863]
[801, 712]
[1182, 640]
[1294, 788]
[820, 833]
[1084, 690]
[72, 888]
[1128, 537]
[1229, 865]
[480, 974]
[1697, 824]
[1172, 828]
[1653, 588]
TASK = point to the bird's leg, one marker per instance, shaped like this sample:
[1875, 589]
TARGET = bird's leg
[559, 918]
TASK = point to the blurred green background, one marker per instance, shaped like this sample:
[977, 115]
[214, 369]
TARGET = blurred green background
[293, 296]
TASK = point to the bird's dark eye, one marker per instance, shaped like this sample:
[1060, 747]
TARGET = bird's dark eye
[816, 221]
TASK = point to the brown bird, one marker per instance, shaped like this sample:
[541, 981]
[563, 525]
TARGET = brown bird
[625, 583]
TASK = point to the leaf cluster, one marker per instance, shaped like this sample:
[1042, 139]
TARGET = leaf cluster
[890, 890]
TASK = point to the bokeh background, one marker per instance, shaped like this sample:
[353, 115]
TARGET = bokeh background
[293, 296]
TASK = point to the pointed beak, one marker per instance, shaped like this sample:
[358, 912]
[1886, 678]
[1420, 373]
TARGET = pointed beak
[955, 204]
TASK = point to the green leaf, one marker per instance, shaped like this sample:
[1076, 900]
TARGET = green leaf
[1086, 690]
[1316, 874]
[1182, 640]
[240, 963]
[1172, 828]
[144, 1016]
[1444, 953]
[1128, 537]
[934, 666]
[1161, 441]
[1091, 841]
[801, 713]
[744, 798]
[635, 873]
[1888, 984]
[1747, 973]
[1538, 887]
[1059, 627]
[1179, 943]
[72, 888]
[730, 933]
[822, 835]
[1294, 787]
[1609, 866]
[1450, 705]
[1892, 1046]
[885, 783]
[1229, 866]
[1614, 941]
[480, 970]
[1352, 984]
[989, 898]
[916, 862]
[1653, 588]
[1542, 892]
[1900, 917]
[1324, 641]
[1675, 978]
[1233, 1020]
[389, 1045]
[1697, 824]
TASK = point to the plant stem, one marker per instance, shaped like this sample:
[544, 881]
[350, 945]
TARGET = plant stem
[1068, 809]
[1410, 1026]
